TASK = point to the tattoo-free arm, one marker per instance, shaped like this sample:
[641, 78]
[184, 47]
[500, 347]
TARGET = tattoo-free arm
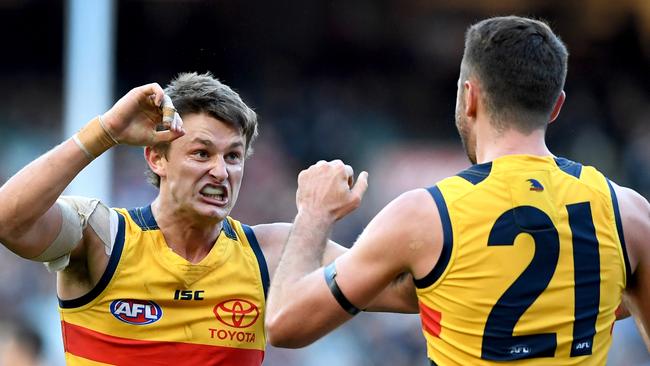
[398, 297]
[635, 216]
[393, 243]
[29, 220]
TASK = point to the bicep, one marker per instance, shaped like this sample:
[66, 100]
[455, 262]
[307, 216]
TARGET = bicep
[635, 214]
[82, 221]
[35, 240]
[373, 271]
[398, 297]
[368, 268]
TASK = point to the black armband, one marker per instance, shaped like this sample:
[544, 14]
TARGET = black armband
[330, 278]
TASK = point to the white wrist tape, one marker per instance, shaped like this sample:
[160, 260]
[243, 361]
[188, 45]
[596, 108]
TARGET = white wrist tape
[94, 138]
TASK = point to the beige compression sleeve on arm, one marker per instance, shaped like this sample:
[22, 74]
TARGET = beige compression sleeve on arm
[77, 213]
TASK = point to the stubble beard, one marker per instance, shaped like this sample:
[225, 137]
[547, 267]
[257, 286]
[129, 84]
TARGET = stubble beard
[466, 137]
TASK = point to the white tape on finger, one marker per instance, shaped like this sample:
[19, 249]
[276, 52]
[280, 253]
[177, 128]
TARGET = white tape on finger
[168, 110]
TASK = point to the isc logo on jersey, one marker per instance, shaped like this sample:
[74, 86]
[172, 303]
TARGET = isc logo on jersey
[136, 312]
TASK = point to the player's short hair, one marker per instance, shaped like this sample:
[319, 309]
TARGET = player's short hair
[520, 64]
[203, 93]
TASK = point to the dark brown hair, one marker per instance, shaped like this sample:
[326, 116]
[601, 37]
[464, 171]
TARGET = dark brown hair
[520, 64]
[203, 93]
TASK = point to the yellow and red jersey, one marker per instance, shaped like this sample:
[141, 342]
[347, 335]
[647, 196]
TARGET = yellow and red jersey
[153, 307]
[532, 269]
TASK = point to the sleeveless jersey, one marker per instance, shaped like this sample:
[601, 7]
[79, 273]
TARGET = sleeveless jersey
[532, 269]
[153, 307]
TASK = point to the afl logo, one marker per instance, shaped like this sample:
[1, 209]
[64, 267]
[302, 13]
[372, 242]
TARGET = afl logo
[237, 313]
[136, 312]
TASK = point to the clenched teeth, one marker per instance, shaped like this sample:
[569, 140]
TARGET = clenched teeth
[213, 191]
[214, 196]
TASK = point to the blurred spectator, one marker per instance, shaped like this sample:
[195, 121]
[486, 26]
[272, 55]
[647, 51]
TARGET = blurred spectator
[21, 346]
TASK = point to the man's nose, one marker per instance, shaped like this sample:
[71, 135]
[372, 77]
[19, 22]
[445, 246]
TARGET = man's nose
[218, 169]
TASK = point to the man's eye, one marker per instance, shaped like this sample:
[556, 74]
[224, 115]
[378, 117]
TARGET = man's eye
[233, 156]
[201, 154]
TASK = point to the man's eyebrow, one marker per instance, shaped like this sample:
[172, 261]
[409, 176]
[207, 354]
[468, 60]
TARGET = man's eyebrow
[236, 144]
[207, 142]
[202, 141]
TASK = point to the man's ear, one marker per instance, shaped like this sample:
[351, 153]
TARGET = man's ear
[156, 160]
[471, 98]
[558, 105]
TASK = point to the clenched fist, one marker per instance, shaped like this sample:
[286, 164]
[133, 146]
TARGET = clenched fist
[327, 191]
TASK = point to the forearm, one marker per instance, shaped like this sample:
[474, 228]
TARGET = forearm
[301, 307]
[300, 257]
[31, 192]
[29, 220]
[298, 289]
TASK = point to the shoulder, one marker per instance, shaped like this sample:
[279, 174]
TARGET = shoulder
[457, 186]
[405, 214]
[270, 235]
[635, 218]
[635, 209]
[630, 199]
[474, 175]
[408, 229]
[271, 238]
[414, 202]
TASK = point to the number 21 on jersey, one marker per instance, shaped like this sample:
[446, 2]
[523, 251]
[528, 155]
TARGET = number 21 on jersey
[499, 343]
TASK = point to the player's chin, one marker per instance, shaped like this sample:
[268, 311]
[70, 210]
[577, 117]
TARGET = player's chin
[214, 212]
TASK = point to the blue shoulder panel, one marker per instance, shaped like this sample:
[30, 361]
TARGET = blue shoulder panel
[569, 167]
[227, 228]
[144, 218]
[116, 254]
[619, 228]
[261, 261]
[447, 243]
[476, 173]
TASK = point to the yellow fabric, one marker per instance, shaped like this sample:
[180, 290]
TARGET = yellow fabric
[149, 270]
[478, 275]
[74, 360]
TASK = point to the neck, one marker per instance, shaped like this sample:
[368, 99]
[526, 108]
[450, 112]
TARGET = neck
[188, 237]
[492, 144]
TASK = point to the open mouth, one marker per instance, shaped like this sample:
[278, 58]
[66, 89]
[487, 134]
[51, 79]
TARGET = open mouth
[217, 193]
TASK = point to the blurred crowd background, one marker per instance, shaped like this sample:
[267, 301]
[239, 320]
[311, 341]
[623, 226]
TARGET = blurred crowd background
[372, 82]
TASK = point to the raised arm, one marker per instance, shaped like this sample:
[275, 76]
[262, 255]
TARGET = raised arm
[395, 242]
[30, 221]
[398, 297]
[635, 217]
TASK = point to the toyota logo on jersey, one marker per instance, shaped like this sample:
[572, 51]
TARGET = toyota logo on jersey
[136, 312]
[237, 313]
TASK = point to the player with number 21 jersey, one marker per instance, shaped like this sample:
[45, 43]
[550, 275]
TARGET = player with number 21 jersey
[541, 239]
